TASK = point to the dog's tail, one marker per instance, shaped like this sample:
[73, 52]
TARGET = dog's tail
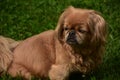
[7, 45]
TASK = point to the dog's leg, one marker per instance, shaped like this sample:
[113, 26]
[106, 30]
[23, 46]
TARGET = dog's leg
[19, 70]
[59, 72]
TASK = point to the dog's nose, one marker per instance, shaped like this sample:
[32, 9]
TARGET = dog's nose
[71, 39]
[72, 32]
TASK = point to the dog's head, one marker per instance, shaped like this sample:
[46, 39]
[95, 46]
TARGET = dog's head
[81, 26]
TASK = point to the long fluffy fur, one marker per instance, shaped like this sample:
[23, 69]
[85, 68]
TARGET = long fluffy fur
[46, 54]
[7, 45]
[96, 45]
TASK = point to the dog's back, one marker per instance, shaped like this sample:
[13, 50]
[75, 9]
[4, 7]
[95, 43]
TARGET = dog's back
[34, 55]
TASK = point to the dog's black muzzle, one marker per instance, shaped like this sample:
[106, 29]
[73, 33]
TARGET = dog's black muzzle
[71, 39]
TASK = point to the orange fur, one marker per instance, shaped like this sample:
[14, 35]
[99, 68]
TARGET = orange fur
[51, 53]
[6, 56]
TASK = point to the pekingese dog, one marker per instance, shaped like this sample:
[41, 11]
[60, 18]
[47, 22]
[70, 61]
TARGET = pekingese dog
[77, 44]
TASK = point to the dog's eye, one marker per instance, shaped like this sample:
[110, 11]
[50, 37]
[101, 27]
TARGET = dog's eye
[82, 31]
[65, 28]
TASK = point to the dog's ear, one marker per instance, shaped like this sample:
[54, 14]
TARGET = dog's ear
[59, 29]
[98, 24]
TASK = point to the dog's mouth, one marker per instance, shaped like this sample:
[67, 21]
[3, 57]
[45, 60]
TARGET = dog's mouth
[71, 39]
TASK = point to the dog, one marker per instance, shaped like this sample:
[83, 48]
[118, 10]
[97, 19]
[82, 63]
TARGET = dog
[76, 45]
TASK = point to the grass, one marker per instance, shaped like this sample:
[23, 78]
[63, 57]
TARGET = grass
[20, 19]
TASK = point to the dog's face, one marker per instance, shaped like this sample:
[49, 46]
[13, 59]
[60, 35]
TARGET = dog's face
[75, 29]
[81, 26]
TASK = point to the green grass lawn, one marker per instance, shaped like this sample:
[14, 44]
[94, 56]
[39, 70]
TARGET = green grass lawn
[20, 19]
